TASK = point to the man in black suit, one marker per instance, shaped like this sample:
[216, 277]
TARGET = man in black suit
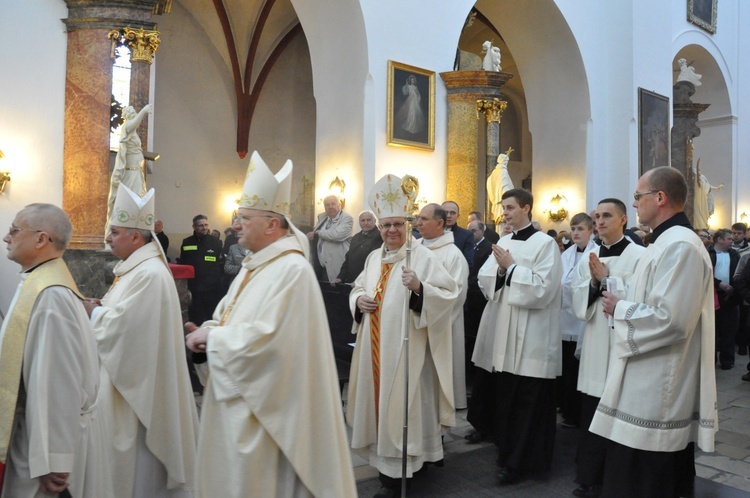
[489, 233]
[725, 260]
[461, 236]
[481, 413]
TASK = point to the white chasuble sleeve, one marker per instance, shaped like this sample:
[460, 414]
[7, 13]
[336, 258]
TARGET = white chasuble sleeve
[534, 284]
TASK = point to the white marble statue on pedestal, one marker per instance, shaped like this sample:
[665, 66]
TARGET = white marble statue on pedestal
[129, 164]
[687, 73]
[491, 60]
[703, 198]
[498, 183]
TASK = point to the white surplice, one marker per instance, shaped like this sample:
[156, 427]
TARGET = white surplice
[145, 385]
[598, 335]
[455, 263]
[271, 421]
[660, 392]
[520, 328]
[58, 427]
[430, 364]
[571, 327]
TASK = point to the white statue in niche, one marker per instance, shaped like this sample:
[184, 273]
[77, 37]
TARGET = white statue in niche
[491, 60]
[498, 183]
[687, 73]
[703, 198]
[129, 164]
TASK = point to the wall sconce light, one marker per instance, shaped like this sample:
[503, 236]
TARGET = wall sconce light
[743, 217]
[4, 176]
[337, 187]
[557, 210]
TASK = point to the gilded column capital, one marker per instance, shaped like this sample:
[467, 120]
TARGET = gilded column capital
[492, 109]
[143, 44]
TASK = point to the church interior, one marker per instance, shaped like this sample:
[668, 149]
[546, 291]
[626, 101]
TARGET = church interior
[585, 96]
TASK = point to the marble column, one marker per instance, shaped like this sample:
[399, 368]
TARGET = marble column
[464, 88]
[493, 113]
[88, 89]
[684, 130]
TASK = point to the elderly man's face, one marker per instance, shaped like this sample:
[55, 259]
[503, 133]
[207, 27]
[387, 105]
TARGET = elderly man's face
[393, 232]
[427, 225]
[201, 227]
[474, 229]
[158, 226]
[366, 222]
[332, 206]
[20, 240]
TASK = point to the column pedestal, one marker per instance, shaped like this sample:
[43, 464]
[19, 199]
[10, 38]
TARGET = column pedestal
[464, 88]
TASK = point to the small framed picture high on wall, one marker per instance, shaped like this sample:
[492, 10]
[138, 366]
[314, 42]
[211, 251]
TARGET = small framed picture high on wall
[653, 130]
[702, 13]
[411, 106]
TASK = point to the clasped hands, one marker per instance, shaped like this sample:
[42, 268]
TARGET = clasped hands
[599, 272]
[409, 279]
[503, 258]
[197, 338]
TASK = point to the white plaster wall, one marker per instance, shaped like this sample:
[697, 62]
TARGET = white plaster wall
[350, 67]
[32, 109]
[195, 126]
[557, 97]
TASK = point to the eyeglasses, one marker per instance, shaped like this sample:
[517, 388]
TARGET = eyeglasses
[14, 230]
[638, 195]
[387, 226]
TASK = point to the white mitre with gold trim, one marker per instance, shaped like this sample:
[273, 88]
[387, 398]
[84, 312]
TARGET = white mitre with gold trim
[387, 198]
[265, 191]
[132, 211]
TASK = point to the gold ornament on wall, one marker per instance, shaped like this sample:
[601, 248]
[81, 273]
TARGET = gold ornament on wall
[143, 44]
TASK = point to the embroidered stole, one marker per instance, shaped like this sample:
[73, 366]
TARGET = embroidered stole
[385, 272]
[52, 273]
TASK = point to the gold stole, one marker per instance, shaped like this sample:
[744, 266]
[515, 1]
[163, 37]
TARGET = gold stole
[52, 273]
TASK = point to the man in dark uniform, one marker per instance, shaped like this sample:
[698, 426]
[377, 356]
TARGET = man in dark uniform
[202, 251]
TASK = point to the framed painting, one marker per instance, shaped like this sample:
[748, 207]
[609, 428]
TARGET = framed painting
[702, 13]
[653, 130]
[411, 106]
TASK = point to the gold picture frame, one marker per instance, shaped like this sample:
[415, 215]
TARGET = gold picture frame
[702, 13]
[411, 106]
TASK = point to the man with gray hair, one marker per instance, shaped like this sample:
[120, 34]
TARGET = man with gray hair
[50, 432]
[145, 390]
[362, 244]
[329, 242]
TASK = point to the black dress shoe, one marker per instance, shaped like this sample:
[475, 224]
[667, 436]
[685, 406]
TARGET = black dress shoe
[727, 367]
[475, 437]
[746, 376]
[584, 491]
[508, 476]
[385, 492]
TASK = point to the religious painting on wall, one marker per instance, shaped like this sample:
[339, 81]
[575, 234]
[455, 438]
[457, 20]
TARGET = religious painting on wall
[653, 130]
[411, 106]
[702, 13]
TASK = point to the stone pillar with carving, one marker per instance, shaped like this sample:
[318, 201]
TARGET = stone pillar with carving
[88, 90]
[493, 113]
[684, 130]
[464, 89]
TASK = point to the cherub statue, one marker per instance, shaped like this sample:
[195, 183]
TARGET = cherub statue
[687, 73]
[491, 60]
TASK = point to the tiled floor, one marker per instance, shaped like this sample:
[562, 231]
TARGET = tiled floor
[726, 471]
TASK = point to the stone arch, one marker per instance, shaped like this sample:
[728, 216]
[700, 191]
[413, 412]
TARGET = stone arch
[556, 92]
[717, 144]
[340, 114]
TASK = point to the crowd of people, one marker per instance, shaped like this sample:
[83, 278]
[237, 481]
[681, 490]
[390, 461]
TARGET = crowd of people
[620, 337]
